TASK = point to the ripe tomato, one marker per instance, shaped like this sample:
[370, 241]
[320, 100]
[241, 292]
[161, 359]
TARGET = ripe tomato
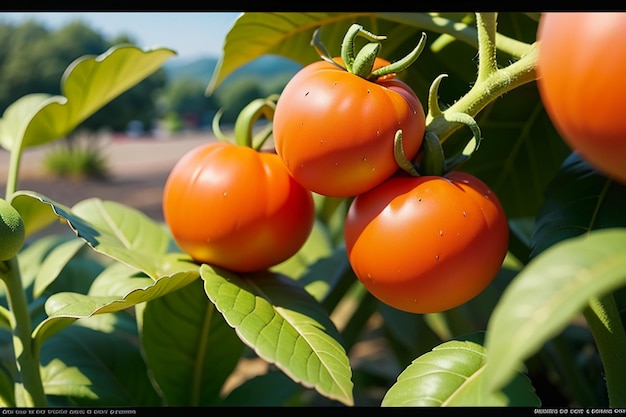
[427, 244]
[335, 130]
[237, 208]
[581, 67]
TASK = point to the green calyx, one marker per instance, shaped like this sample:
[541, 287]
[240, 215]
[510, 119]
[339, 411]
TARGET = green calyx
[12, 232]
[361, 63]
[248, 117]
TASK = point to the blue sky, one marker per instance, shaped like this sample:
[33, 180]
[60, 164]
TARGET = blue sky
[191, 34]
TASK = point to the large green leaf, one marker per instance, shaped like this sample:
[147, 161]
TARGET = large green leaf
[579, 199]
[289, 35]
[63, 308]
[97, 362]
[548, 293]
[15, 117]
[285, 326]
[111, 228]
[87, 85]
[452, 374]
[190, 349]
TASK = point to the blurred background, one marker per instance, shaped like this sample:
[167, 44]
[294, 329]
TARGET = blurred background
[38, 46]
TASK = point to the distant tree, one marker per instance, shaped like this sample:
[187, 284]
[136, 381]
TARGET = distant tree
[187, 95]
[232, 97]
[33, 59]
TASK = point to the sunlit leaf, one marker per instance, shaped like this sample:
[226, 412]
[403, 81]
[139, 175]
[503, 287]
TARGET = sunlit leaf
[65, 307]
[548, 293]
[452, 374]
[87, 85]
[289, 35]
[285, 326]
[16, 116]
[190, 348]
[111, 228]
[35, 213]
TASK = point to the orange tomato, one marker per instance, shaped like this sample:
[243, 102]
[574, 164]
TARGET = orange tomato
[234, 207]
[427, 244]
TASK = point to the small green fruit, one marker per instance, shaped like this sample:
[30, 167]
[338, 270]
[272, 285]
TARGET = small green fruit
[12, 233]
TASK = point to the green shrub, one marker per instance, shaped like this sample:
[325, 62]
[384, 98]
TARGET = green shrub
[79, 160]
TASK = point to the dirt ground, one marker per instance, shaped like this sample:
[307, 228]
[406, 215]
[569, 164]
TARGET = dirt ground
[138, 169]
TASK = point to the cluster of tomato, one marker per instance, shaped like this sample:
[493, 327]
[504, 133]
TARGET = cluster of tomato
[421, 244]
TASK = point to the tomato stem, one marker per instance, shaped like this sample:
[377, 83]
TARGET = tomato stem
[486, 91]
[486, 26]
[403, 63]
[433, 162]
[29, 390]
[322, 51]
[347, 48]
[400, 157]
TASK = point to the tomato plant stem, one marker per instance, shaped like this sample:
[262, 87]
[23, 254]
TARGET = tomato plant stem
[484, 92]
[459, 31]
[29, 389]
[487, 64]
[605, 323]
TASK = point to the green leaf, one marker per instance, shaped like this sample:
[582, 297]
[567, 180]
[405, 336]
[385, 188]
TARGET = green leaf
[87, 85]
[452, 374]
[285, 326]
[546, 295]
[190, 349]
[35, 213]
[51, 267]
[289, 35]
[15, 117]
[111, 228]
[98, 362]
[65, 307]
[578, 199]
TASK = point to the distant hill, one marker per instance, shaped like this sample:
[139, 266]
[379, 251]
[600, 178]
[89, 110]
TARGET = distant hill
[202, 68]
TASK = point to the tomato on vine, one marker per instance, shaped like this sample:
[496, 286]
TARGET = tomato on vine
[425, 244]
[236, 207]
[334, 127]
[581, 66]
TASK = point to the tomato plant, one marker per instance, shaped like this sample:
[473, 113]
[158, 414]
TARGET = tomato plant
[427, 244]
[584, 100]
[334, 127]
[467, 308]
[235, 207]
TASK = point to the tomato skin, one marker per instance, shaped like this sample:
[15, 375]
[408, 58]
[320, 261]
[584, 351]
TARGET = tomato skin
[427, 244]
[580, 69]
[236, 208]
[335, 130]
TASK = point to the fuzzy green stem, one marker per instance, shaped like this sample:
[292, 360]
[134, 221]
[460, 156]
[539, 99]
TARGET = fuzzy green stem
[486, 24]
[604, 320]
[483, 93]
[460, 31]
[261, 107]
[29, 388]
